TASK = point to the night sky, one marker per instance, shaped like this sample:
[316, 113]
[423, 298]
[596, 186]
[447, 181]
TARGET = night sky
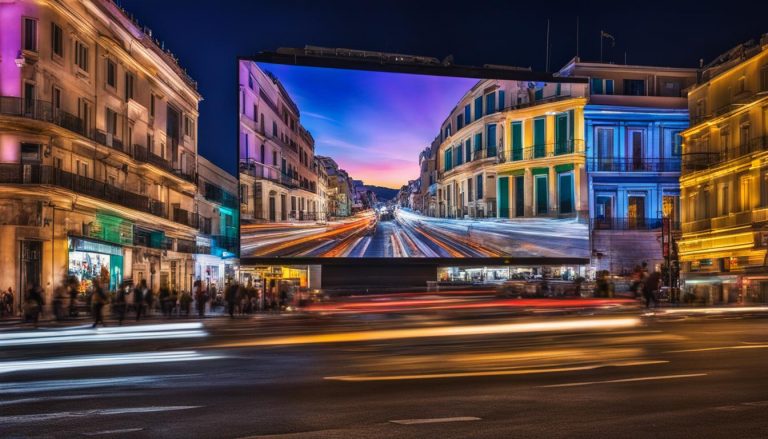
[374, 124]
[208, 36]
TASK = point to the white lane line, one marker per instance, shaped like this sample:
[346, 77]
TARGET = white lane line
[56, 385]
[40, 417]
[434, 420]
[122, 430]
[628, 380]
[103, 360]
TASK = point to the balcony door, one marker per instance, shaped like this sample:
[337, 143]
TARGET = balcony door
[604, 211]
[29, 99]
[636, 211]
[520, 195]
[542, 196]
[636, 150]
[604, 149]
[503, 197]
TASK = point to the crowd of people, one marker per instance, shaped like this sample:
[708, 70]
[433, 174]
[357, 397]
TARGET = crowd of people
[139, 301]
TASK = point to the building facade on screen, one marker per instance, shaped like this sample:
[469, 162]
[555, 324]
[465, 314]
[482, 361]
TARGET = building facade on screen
[277, 154]
[98, 150]
[219, 213]
[632, 126]
[725, 179]
[512, 149]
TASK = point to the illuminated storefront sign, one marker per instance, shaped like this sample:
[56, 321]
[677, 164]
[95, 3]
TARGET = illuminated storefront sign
[91, 259]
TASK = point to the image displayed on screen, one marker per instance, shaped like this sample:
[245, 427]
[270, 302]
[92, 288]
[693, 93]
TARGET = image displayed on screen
[352, 163]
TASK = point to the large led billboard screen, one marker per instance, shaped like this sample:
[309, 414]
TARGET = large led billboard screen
[338, 162]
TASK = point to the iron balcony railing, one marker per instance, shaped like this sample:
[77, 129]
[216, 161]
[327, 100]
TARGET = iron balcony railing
[633, 164]
[217, 194]
[301, 215]
[570, 146]
[35, 174]
[186, 217]
[702, 160]
[639, 223]
[45, 112]
[262, 171]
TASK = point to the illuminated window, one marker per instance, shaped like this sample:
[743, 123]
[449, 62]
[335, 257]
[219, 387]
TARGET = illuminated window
[724, 206]
[744, 184]
[111, 121]
[81, 56]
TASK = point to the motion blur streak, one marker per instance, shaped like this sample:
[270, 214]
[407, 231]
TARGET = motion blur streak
[629, 380]
[103, 360]
[445, 331]
[722, 348]
[715, 310]
[79, 414]
[145, 332]
[489, 372]
[89, 383]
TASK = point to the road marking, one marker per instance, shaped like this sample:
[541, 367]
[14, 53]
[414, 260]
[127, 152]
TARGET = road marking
[104, 360]
[55, 385]
[627, 380]
[721, 348]
[434, 420]
[122, 430]
[41, 417]
[360, 378]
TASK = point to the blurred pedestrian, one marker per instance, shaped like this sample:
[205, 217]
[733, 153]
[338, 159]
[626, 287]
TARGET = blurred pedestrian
[59, 294]
[33, 304]
[165, 295]
[231, 297]
[98, 300]
[201, 297]
[650, 289]
[149, 301]
[185, 303]
[120, 302]
[73, 285]
[138, 298]
[6, 302]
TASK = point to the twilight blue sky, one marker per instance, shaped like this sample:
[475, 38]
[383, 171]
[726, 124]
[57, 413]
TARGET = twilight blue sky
[374, 124]
[208, 37]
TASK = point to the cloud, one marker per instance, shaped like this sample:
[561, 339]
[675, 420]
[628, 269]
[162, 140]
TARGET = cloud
[317, 116]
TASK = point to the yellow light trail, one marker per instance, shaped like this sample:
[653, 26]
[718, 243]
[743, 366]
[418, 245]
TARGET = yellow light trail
[485, 373]
[444, 331]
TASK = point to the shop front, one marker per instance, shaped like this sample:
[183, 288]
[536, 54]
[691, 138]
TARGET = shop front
[90, 259]
[497, 274]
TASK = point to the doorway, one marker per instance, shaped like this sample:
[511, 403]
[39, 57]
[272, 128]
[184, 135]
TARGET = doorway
[636, 212]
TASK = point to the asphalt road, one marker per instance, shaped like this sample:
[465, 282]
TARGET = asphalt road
[415, 375]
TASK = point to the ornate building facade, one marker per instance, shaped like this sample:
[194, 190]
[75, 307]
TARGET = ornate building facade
[98, 149]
